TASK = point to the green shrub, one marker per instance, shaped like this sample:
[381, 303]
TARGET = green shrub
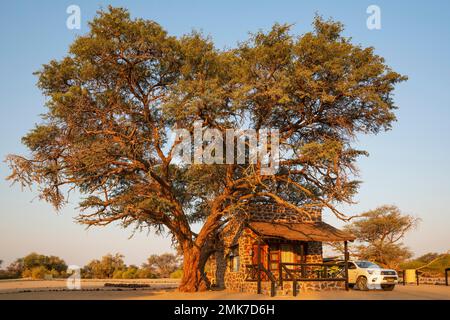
[145, 274]
[435, 268]
[177, 274]
[39, 272]
[130, 273]
[8, 275]
[54, 273]
[26, 273]
[117, 274]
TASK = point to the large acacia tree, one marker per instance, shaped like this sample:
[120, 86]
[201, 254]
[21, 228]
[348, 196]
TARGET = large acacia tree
[113, 100]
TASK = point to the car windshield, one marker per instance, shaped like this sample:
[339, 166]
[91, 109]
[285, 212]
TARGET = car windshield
[367, 264]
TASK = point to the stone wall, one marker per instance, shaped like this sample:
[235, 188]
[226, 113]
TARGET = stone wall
[276, 213]
[426, 280]
[308, 286]
[314, 252]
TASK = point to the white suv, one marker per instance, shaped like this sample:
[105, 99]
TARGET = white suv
[365, 275]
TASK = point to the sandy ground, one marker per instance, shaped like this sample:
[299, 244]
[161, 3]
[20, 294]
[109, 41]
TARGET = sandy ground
[88, 284]
[163, 289]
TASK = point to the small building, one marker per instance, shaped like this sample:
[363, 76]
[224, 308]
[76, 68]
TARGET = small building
[277, 250]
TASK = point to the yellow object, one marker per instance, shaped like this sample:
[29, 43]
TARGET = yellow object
[410, 275]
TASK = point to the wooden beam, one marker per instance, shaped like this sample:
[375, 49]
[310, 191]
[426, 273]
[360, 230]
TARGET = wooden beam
[417, 277]
[280, 268]
[258, 259]
[302, 253]
[446, 276]
[346, 264]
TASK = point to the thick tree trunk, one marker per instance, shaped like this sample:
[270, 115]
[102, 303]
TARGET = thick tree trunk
[194, 278]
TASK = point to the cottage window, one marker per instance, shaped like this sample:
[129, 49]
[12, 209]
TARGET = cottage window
[287, 254]
[234, 259]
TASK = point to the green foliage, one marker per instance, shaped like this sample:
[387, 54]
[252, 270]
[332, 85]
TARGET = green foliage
[117, 274]
[106, 268]
[130, 273]
[143, 273]
[39, 272]
[113, 267]
[48, 262]
[162, 265]
[379, 234]
[432, 264]
[127, 80]
[36, 266]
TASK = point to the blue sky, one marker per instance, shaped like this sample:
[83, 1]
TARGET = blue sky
[408, 166]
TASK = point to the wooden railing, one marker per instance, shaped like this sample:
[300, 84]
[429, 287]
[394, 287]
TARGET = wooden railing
[312, 271]
[295, 272]
[255, 273]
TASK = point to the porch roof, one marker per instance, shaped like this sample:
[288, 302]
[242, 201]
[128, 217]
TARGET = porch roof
[308, 231]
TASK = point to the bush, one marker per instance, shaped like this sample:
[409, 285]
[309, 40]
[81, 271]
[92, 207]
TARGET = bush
[54, 273]
[145, 274]
[162, 265]
[8, 275]
[177, 274]
[435, 268]
[130, 273]
[117, 274]
[26, 273]
[39, 272]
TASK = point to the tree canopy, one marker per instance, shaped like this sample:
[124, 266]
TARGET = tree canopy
[114, 100]
[379, 235]
[37, 266]
[162, 265]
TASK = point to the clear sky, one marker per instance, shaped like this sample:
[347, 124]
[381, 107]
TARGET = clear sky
[408, 166]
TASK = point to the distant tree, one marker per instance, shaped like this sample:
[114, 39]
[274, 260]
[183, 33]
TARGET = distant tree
[379, 234]
[162, 265]
[144, 273]
[38, 272]
[177, 274]
[43, 264]
[1, 262]
[114, 99]
[16, 267]
[131, 272]
[428, 257]
[106, 268]
[48, 262]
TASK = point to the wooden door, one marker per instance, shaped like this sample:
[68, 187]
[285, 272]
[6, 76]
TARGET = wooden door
[274, 258]
[264, 258]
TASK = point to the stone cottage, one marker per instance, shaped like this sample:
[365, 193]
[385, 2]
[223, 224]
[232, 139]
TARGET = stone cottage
[276, 250]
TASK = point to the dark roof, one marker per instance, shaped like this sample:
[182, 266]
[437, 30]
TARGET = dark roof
[313, 231]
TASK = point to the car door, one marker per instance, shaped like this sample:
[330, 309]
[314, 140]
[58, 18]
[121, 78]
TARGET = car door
[352, 272]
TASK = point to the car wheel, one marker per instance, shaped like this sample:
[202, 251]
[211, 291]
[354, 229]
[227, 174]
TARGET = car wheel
[361, 284]
[388, 287]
